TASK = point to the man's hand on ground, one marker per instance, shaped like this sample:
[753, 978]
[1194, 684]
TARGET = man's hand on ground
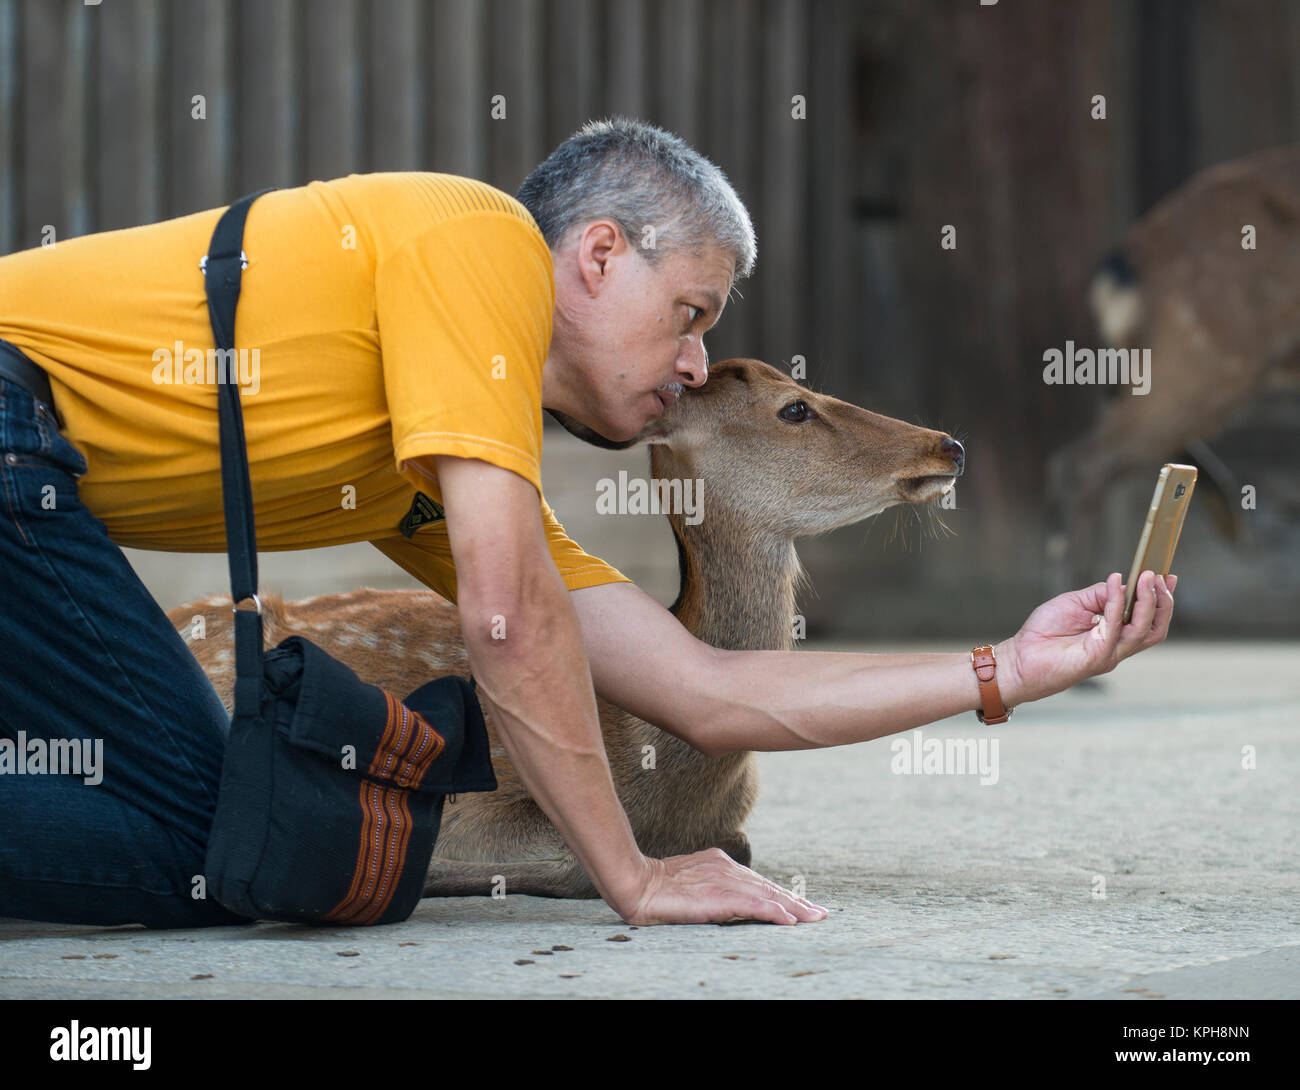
[711, 887]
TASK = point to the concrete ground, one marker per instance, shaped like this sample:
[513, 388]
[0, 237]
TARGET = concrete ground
[939, 886]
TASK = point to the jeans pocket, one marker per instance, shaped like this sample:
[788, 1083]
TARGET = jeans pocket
[54, 446]
[37, 487]
[40, 468]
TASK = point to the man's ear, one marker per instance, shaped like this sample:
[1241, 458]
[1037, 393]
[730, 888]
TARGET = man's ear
[599, 241]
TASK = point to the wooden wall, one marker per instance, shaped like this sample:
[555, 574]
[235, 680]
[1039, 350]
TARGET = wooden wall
[918, 115]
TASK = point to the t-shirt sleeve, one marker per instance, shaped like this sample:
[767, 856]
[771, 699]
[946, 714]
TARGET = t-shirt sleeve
[464, 313]
[427, 556]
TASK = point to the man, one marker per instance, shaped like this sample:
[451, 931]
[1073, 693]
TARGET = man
[410, 329]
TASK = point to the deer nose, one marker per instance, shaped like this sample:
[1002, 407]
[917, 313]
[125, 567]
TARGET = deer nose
[955, 451]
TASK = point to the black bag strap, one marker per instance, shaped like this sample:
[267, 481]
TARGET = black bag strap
[222, 271]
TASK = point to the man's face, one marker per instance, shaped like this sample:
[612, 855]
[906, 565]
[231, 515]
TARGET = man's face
[633, 330]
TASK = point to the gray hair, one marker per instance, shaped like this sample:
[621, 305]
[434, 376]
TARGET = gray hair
[640, 177]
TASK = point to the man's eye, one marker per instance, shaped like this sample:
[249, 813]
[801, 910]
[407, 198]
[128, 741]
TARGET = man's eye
[694, 312]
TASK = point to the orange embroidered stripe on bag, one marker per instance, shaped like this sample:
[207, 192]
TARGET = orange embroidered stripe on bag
[408, 747]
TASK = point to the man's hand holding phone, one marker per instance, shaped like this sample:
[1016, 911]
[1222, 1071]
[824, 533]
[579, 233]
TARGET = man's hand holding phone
[1080, 634]
[1087, 632]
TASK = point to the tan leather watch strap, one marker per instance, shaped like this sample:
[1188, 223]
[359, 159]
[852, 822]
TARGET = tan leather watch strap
[986, 673]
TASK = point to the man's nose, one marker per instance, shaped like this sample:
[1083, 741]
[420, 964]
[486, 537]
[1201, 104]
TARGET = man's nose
[693, 363]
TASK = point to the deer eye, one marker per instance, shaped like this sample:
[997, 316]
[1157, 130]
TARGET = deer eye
[796, 412]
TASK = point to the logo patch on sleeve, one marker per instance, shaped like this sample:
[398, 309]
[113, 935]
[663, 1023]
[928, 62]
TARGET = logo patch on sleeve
[422, 510]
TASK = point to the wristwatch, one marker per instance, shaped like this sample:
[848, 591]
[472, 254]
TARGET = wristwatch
[986, 673]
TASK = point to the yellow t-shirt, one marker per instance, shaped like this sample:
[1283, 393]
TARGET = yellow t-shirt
[383, 318]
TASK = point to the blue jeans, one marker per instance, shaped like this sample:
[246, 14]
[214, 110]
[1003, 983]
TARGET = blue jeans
[88, 659]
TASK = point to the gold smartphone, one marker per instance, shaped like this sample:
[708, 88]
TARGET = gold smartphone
[1155, 551]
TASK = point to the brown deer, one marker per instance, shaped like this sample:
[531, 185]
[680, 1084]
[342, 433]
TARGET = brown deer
[779, 462]
[1222, 321]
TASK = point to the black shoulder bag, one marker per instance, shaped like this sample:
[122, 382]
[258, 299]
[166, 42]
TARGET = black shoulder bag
[331, 789]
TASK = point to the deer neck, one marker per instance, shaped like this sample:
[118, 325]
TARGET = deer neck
[738, 586]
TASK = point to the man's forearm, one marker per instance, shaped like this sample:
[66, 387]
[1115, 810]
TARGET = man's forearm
[537, 685]
[786, 700]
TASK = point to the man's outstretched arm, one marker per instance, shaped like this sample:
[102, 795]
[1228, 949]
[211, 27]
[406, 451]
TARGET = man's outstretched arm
[643, 660]
[526, 651]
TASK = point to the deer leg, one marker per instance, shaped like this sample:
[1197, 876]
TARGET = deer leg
[562, 877]
[736, 845]
[1077, 477]
[1219, 491]
[535, 877]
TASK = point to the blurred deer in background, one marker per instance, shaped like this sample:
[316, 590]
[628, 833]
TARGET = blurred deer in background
[779, 462]
[1222, 321]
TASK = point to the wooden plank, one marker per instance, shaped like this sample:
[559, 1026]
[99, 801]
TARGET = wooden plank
[1243, 93]
[1122, 115]
[198, 149]
[397, 87]
[515, 140]
[832, 344]
[573, 70]
[456, 133]
[879, 321]
[42, 91]
[1165, 152]
[334, 103]
[784, 213]
[628, 47]
[127, 164]
[76, 53]
[731, 83]
[678, 78]
[9, 124]
[1290, 38]
[724, 119]
[268, 82]
[1094, 147]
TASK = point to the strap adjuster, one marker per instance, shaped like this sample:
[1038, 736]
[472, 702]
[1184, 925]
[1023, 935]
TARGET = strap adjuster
[203, 262]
